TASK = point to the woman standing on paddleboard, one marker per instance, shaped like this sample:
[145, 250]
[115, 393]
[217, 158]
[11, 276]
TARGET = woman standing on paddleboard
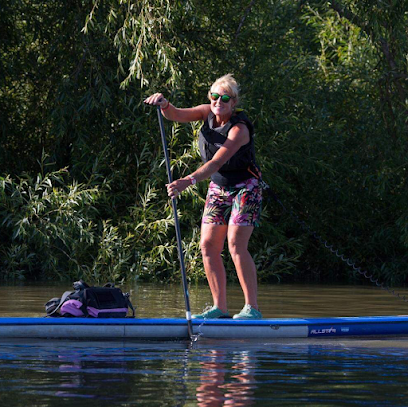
[234, 197]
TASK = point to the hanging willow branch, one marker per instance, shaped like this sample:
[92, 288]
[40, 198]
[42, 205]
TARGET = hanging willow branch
[246, 13]
[384, 45]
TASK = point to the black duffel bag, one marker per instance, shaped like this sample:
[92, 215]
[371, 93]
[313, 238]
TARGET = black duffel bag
[96, 302]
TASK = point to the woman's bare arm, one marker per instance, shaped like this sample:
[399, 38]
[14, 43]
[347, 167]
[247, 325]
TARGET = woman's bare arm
[175, 114]
[238, 136]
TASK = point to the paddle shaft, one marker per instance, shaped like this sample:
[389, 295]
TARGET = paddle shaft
[177, 226]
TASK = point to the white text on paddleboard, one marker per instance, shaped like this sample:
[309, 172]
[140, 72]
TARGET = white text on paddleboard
[323, 331]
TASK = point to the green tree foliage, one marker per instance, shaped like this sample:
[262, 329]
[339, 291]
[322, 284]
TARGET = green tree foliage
[325, 83]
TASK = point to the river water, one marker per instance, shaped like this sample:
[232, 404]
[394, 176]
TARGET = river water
[318, 372]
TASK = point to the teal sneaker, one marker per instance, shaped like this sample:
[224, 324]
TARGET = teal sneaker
[248, 312]
[211, 313]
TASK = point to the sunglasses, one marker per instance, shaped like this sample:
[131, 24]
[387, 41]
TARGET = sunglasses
[224, 98]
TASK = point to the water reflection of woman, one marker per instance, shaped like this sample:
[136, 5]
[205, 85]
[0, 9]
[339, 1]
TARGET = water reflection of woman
[215, 390]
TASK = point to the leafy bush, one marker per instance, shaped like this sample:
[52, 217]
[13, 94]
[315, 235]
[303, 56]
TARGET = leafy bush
[47, 225]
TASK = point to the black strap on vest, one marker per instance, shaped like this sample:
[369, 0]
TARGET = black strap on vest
[129, 304]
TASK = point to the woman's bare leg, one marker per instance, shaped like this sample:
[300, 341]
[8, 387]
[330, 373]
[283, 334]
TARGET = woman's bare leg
[238, 239]
[212, 244]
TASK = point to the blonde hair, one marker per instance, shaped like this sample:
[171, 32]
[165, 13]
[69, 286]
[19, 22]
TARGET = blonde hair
[229, 83]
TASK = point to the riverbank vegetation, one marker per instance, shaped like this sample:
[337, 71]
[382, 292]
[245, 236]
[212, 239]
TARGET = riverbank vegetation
[81, 165]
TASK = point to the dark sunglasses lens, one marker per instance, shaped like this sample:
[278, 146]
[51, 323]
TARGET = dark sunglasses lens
[224, 98]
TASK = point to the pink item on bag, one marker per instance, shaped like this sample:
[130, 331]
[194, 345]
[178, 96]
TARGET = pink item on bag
[73, 307]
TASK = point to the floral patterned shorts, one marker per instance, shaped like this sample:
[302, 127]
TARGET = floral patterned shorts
[239, 205]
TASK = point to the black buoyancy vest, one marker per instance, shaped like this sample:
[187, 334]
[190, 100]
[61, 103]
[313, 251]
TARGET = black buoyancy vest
[235, 170]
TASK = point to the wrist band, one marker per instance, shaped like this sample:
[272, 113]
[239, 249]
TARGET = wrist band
[165, 108]
[193, 181]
